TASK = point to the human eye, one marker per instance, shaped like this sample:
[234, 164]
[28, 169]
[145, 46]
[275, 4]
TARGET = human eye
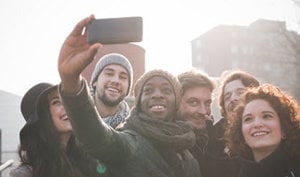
[55, 101]
[192, 102]
[108, 72]
[247, 119]
[123, 76]
[147, 90]
[167, 90]
[240, 91]
[267, 116]
[208, 103]
[227, 96]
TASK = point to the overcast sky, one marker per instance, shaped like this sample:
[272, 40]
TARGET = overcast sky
[33, 30]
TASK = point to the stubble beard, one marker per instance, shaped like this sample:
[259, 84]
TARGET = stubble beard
[109, 102]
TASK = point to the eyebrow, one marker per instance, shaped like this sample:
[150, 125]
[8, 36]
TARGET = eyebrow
[262, 112]
[54, 97]
[271, 112]
[111, 69]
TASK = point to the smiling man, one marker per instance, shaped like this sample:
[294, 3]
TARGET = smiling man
[195, 106]
[152, 142]
[196, 97]
[111, 82]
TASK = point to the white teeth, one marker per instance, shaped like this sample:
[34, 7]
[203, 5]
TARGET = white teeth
[259, 134]
[113, 90]
[65, 118]
[158, 107]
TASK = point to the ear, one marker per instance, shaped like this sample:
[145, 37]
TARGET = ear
[283, 136]
[94, 84]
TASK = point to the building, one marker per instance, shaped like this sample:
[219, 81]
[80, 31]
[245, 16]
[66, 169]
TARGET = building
[11, 123]
[265, 49]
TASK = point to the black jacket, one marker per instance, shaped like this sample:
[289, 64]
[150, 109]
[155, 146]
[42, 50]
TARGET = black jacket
[213, 160]
[278, 164]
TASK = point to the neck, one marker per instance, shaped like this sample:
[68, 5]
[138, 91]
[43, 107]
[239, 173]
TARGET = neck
[105, 110]
[261, 154]
[64, 138]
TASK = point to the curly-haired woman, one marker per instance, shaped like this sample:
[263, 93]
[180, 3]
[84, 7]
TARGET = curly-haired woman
[264, 131]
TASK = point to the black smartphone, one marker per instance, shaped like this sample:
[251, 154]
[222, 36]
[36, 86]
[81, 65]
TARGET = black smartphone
[115, 30]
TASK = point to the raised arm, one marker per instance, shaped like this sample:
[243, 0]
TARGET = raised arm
[98, 139]
[74, 56]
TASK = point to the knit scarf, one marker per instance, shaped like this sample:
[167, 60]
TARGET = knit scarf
[176, 135]
[201, 140]
[119, 117]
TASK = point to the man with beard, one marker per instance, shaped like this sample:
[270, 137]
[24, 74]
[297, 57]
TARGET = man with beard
[111, 82]
[152, 142]
[233, 85]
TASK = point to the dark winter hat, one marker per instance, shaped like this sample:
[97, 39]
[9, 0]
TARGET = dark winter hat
[157, 72]
[108, 59]
[32, 98]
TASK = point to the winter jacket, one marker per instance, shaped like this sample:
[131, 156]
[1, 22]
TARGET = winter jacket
[277, 164]
[21, 171]
[213, 160]
[126, 153]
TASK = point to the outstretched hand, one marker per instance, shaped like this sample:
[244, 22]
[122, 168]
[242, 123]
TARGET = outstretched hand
[75, 55]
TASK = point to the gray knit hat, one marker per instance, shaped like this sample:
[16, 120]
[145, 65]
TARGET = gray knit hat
[112, 58]
[157, 72]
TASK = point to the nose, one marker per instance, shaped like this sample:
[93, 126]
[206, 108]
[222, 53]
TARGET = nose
[157, 94]
[257, 122]
[202, 110]
[235, 97]
[115, 79]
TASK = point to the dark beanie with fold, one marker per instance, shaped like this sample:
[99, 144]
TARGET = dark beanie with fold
[161, 73]
[108, 59]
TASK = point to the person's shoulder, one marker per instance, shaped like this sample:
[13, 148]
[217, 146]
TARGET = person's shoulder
[21, 171]
[220, 122]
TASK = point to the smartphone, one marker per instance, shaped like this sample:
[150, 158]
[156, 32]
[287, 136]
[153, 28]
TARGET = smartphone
[115, 30]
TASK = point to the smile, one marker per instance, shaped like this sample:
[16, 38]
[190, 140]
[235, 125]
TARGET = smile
[260, 133]
[157, 108]
[113, 90]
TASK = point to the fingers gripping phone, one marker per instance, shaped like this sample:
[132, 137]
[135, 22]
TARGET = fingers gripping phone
[115, 30]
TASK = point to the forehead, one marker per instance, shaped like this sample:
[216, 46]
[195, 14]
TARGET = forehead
[233, 85]
[258, 105]
[52, 94]
[198, 92]
[115, 67]
[157, 80]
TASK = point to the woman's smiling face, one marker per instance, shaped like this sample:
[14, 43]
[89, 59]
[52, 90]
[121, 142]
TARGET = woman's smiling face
[261, 127]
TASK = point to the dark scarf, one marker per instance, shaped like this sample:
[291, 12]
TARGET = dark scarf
[201, 140]
[176, 135]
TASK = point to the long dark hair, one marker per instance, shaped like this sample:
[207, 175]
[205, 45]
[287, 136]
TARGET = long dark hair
[40, 148]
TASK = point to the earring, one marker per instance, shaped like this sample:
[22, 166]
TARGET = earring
[283, 137]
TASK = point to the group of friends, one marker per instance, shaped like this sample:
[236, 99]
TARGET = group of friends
[80, 129]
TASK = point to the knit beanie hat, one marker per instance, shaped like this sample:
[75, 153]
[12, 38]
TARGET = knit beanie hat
[112, 58]
[161, 73]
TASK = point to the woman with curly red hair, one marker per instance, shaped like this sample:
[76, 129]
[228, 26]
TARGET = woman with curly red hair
[264, 131]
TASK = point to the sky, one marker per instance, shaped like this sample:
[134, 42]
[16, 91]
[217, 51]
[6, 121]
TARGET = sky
[33, 31]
